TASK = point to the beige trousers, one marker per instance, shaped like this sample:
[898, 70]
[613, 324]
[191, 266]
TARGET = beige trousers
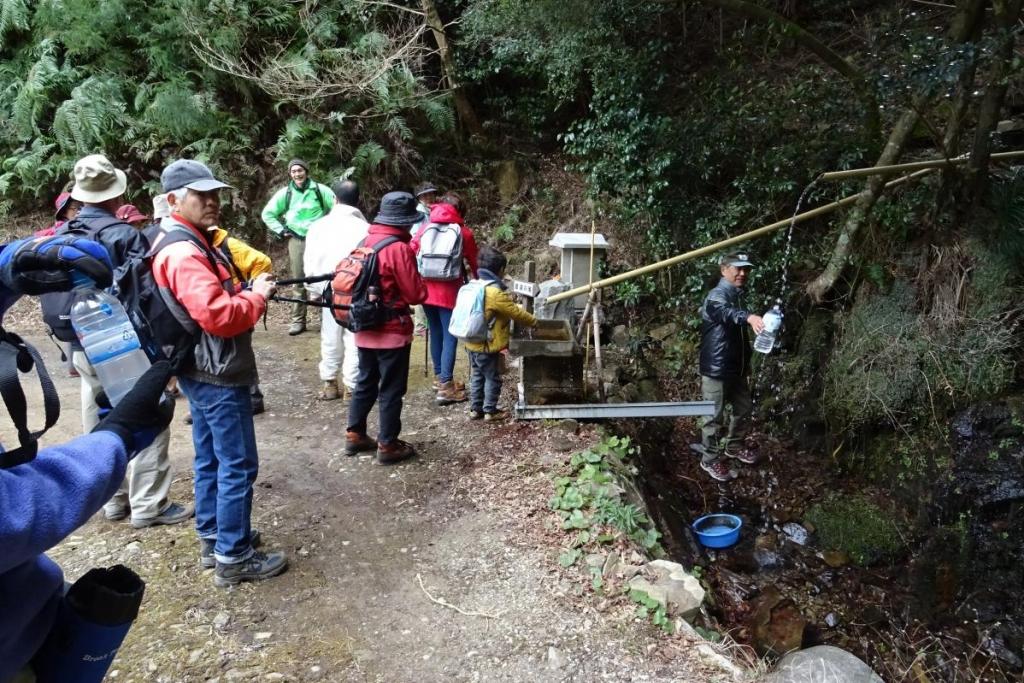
[148, 479]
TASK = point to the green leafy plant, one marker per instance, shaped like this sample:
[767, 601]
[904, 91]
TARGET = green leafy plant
[649, 607]
[590, 501]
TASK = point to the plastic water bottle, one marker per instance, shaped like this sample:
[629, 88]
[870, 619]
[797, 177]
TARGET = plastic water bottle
[765, 340]
[109, 340]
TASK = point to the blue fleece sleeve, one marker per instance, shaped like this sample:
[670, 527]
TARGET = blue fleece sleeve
[44, 500]
[7, 297]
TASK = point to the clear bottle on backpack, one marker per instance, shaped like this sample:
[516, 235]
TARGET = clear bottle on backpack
[765, 341]
[108, 339]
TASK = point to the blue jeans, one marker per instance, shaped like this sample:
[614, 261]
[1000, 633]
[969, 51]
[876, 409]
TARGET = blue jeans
[443, 343]
[484, 382]
[226, 465]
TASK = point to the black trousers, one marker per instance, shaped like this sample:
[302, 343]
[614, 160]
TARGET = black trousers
[383, 378]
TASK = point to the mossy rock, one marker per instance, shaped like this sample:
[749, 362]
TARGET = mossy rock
[856, 525]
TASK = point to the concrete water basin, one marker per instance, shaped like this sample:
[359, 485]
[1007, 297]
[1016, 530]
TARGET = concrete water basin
[548, 338]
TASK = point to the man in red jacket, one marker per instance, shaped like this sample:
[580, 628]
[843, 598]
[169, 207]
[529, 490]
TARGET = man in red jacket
[194, 277]
[384, 351]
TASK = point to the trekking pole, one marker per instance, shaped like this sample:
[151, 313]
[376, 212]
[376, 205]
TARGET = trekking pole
[318, 304]
[426, 350]
[309, 279]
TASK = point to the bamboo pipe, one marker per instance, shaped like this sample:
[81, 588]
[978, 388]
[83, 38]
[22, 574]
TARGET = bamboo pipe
[745, 237]
[911, 166]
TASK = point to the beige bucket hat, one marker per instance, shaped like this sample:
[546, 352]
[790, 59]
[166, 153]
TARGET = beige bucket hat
[96, 180]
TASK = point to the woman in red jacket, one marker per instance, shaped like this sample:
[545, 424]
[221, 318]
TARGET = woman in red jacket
[440, 303]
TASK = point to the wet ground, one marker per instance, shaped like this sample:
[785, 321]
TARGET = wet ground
[779, 589]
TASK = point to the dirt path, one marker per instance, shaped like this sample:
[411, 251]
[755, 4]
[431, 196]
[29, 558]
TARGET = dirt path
[468, 518]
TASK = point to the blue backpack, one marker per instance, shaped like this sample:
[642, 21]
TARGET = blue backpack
[469, 321]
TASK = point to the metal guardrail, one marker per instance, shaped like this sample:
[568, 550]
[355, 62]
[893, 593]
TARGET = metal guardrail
[610, 411]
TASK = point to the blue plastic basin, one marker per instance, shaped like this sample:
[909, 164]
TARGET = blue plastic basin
[718, 530]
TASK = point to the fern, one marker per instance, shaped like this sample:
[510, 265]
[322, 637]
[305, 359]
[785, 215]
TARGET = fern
[13, 17]
[438, 112]
[42, 85]
[83, 123]
[368, 157]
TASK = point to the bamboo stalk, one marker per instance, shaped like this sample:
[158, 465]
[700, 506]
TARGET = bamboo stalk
[745, 237]
[911, 166]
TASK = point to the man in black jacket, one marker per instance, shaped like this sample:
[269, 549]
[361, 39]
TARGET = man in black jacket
[725, 353]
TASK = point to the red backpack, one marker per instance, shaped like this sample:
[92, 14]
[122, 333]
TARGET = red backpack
[354, 293]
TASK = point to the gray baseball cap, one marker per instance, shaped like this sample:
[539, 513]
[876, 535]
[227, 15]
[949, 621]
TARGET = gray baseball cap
[189, 174]
[738, 259]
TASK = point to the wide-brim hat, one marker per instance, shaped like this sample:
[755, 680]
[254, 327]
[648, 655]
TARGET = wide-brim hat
[96, 180]
[398, 208]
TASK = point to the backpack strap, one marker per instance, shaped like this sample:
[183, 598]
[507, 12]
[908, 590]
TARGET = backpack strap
[226, 253]
[18, 356]
[393, 311]
[166, 237]
[91, 227]
[319, 197]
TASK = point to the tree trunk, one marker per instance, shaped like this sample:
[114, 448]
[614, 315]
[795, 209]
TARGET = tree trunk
[845, 242]
[822, 284]
[1006, 14]
[872, 122]
[463, 107]
[969, 22]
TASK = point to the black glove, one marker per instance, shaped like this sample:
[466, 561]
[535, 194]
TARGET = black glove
[40, 265]
[144, 412]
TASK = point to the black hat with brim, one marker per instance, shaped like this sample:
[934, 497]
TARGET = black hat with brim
[398, 208]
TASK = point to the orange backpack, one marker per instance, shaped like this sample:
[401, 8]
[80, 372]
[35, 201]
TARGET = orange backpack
[354, 294]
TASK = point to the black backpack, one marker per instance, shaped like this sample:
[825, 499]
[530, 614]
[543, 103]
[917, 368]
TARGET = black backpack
[163, 334]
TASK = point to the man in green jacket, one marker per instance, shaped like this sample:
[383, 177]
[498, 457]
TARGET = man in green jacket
[289, 213]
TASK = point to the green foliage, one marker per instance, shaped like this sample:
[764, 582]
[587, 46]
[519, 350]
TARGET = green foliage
[857, 526]
[648, 606]
[590, 502]
[218, 81]
[898, 365]
[874, 374]
[13, 17]
[506, 230]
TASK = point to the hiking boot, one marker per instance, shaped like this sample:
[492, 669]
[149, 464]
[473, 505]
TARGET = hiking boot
[116, 514]
[448, 393]
[745, 455]
[717, 469]
[358, 443]
[436, 384]
[497, 416]
[476, 415]
[206, 558]
[296, 329]
[174, 514]
[396, 451]
[346, 393]
[329, 391]
[258, 567]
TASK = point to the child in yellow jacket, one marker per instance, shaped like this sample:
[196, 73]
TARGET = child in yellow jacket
[499, 311]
